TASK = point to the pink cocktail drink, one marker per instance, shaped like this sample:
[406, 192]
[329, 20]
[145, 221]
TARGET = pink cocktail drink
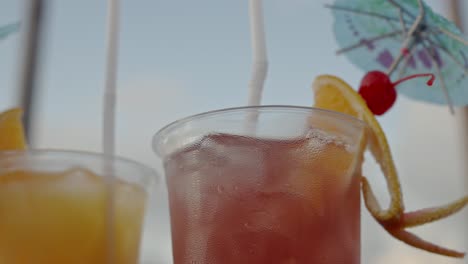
[253, 199]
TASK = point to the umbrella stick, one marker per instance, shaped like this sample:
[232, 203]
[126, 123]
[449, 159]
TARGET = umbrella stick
[373, 39]
[400, 16]
[28, 68]
[453, 36]
[402, 9]
[406, 61]
[409, 38]
[431, 52]
[362, 12]
[447, 52]
[395, 63]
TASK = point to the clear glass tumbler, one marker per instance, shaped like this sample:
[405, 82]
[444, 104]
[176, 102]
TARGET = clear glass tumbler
[55, 207]
[267, 184]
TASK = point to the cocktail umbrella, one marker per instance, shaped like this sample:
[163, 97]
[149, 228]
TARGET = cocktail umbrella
[404, 37]
[401, 38]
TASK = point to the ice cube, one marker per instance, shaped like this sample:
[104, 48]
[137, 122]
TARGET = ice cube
[323, 167]
[76, 180]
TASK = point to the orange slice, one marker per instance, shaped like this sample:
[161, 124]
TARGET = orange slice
[332, 93]
[11, 130]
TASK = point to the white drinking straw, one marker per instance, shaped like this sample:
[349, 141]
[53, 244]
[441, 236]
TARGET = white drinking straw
[259, 54]
[108, 129]
[108, 136]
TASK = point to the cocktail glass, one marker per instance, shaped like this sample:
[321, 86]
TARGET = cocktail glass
[281, 189]
[54, 207]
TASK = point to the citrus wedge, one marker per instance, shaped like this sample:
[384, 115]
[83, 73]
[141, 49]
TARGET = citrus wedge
[11, 130]
[332, 93]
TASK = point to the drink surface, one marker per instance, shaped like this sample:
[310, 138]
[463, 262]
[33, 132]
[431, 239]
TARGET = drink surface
[237, 199]
[52, 218]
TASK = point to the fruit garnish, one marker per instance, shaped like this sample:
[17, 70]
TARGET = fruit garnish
[11, 130]
[379, 92]
[332, 93]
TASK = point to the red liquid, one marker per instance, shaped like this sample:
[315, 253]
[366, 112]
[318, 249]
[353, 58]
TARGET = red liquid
[243, 200]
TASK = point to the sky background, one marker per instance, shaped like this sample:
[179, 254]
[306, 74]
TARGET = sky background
[179, 58]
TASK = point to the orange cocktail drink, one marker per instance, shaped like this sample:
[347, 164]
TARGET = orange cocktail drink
[53, 209]
[60, 207]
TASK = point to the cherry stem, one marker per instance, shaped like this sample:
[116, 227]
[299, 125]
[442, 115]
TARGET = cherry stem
[429, 82]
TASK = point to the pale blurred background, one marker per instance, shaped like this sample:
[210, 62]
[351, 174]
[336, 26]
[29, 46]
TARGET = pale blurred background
[179, 58]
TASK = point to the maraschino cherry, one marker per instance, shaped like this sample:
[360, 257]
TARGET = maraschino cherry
[379, 92]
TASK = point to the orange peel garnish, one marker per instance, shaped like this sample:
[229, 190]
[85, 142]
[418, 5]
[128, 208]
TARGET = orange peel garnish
[332, 93]
[413, 240]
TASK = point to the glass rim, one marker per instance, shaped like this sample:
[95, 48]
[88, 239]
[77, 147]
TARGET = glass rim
[148, 172]
[284, 108]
